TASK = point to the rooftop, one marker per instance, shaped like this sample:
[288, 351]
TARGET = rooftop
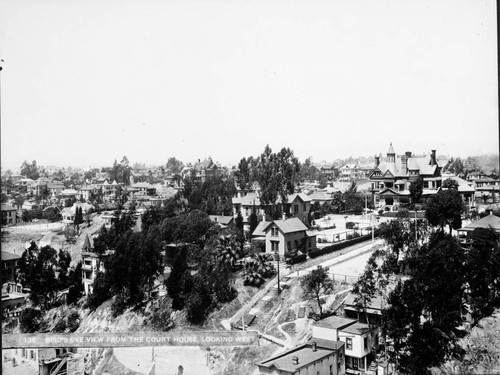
[334, 322]
[357, 329]
[491, 221]
[303, 353]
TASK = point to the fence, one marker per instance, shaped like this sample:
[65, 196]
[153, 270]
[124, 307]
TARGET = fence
[37, 227]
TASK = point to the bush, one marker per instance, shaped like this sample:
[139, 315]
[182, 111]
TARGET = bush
[161, 316]
[30, 320]
[296, 259]
[350, 225]
[73, 321]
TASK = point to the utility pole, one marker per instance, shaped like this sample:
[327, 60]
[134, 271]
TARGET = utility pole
[277, 255]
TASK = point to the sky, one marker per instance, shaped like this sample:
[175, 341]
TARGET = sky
[87, 82]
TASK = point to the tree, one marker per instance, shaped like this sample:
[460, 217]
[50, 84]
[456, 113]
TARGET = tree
[353, 200]
[316, 284]
[30, 320]
[432, 303]
[277, 175]
[416, 189]
[483, 273]
[37, 270]
[445, 208]
[179, 281]
[254, 221]
[174, 166]
[78, 216]
[450, 183]
[30, 170]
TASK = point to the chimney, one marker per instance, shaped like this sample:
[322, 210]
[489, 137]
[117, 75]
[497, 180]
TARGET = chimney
[283, 216]
[295, 360]
[404, 165]
[377, 161]
[314, 346]
[433, 157]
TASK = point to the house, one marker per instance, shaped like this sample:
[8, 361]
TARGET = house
[223, 221]
[288, 236]
[55, 187]
[86, 192]
[488, 222]
[299, 207]
[9, 215]
[465, 188]
[45, 361]
[68, 213]
[92, 263]
[373, 315]
[361, 340]
[205, 169]
[327, 170]
[350, 172]
[486, 187]
[391, 178]
[317, 356]
[9, 266]
[13, 299]
[245, 205]
[144, 188]
[320, 197]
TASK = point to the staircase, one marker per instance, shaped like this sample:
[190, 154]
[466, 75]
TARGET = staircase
[58, 370]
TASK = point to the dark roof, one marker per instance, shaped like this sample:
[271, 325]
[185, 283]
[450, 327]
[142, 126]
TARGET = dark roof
[334, 322]
[327, 344]
[304, 353]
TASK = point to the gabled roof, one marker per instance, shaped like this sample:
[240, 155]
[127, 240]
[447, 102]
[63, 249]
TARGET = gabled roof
[487, 222]
[260, 230]
[301, 196]
[248, 200]
[6, 207]
[320, 196]
[220, 219]
[289, 225]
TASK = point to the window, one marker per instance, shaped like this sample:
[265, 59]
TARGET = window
[341, 355]
[289, 245]
[32, 354]
[274, 231]
[274, 245]
[348, 343]
[296, 208]
[338, 366]
[355, 363]
[305, 207]
[366, 343]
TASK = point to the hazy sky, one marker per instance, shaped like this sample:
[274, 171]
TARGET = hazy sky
[86, 82]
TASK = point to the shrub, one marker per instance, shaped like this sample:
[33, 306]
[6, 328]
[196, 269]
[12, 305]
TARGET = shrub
[161, 316]
[30, 320]
[350, 225]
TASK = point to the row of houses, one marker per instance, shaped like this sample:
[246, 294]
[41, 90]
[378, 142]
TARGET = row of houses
[338, 345]
[392, 176]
